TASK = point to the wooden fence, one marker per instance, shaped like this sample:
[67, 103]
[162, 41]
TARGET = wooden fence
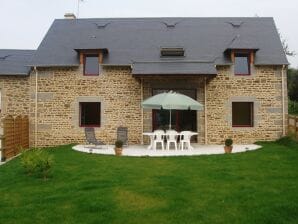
[293, 125]
[15, 135]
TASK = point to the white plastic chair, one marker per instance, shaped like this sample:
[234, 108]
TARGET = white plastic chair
[158, 138]
[185, 140]
[171, 138]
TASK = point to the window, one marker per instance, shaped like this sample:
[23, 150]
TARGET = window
[242, 114]
[242, 64]
[170, 52]
[90, 114]
[91, 64]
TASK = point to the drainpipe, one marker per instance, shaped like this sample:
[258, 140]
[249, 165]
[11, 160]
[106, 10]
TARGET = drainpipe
[142, 112]
[205, 108]
[36, 98]
[283, 100]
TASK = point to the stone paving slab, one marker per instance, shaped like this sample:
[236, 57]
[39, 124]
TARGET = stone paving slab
[141, 150]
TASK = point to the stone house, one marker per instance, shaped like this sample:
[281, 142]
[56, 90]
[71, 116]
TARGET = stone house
[96, 72]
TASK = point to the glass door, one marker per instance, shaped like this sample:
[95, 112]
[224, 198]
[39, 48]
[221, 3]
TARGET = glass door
[182, 120]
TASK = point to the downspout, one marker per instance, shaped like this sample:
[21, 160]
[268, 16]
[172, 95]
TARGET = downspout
[36, 99]
[205, 108]
[142, 113]
[283, 100]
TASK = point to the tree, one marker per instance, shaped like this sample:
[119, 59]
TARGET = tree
[285, 46]
[293, 84]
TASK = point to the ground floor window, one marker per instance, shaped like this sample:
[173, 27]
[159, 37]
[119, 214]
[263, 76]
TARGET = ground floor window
[242, 114]
[90, 114]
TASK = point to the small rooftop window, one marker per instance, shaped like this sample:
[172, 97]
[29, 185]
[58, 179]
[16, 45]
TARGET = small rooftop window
[101, 25]
[3, 57]
[172, 52]
[235, 24]
[170, 24]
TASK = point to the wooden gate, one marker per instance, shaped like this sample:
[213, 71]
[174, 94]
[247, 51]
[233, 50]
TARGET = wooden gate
[15, 135]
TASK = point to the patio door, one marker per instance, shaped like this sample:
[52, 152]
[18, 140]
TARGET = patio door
[182, 120]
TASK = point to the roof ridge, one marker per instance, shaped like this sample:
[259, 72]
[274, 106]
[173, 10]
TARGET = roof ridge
[156, 18]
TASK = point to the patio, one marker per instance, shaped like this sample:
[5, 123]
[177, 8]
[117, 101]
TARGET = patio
[141, 150]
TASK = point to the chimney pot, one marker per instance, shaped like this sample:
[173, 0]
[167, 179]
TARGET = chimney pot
[69, 16]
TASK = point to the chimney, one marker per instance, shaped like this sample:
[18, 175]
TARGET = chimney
[69, 16]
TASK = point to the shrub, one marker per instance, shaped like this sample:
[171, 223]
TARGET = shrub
[228, 142]
[37, 161]
[293, 107]
[288, 141]
[118, 144]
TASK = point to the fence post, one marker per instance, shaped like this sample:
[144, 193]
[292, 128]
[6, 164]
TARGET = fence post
[17, 134]
[2, 157]
[8, 130]
[296, 127]
[25, 132]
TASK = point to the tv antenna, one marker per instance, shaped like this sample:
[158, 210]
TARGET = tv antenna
[78, 7]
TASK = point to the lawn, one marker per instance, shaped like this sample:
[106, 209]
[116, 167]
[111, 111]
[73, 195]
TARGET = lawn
[252, 187]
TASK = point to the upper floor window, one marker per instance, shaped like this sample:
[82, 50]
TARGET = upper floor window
[91, 64]
[242, 63]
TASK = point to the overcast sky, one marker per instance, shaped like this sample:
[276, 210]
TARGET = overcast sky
[23, 23]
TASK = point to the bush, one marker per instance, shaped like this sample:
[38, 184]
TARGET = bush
[37, 161]
[293, 107]
[228, 142]
[118, 144]
[288, 141]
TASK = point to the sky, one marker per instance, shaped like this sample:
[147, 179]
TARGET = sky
[23, 23]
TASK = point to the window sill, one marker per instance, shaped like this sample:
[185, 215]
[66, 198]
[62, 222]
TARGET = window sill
[89, 126]
[243, 128]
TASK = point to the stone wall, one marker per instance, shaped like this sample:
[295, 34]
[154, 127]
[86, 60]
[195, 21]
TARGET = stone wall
[14, 95]
[61, 90]
[263, 88]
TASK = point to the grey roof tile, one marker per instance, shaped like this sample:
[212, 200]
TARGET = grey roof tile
[131, 40]
[15, 62]
[173, 68]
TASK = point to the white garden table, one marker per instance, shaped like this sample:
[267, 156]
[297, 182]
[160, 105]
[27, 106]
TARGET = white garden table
[151, 136]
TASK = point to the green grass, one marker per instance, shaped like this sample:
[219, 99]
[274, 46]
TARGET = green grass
[253, 187]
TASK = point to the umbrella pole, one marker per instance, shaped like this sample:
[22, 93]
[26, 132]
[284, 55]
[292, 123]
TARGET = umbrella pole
[170, 120]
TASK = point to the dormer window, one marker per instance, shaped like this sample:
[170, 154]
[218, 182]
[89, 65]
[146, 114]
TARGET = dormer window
[172, 52]
[91, 60]
[91, 64]
[242, 64]
[242, 60]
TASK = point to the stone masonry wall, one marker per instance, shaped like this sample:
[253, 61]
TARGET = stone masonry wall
[61, 90]
[14, 95]
[263, 88]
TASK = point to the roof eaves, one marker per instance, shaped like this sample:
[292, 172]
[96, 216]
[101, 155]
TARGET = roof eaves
[15, 74]
[56, 65]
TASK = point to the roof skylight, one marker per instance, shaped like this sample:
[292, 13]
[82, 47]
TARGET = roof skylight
[172, 52]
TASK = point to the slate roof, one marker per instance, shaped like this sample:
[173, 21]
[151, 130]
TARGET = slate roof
[177, 68]
[14, 62]
[137, 42]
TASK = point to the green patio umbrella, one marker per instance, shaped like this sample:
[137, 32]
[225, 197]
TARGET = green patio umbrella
[171, 101]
